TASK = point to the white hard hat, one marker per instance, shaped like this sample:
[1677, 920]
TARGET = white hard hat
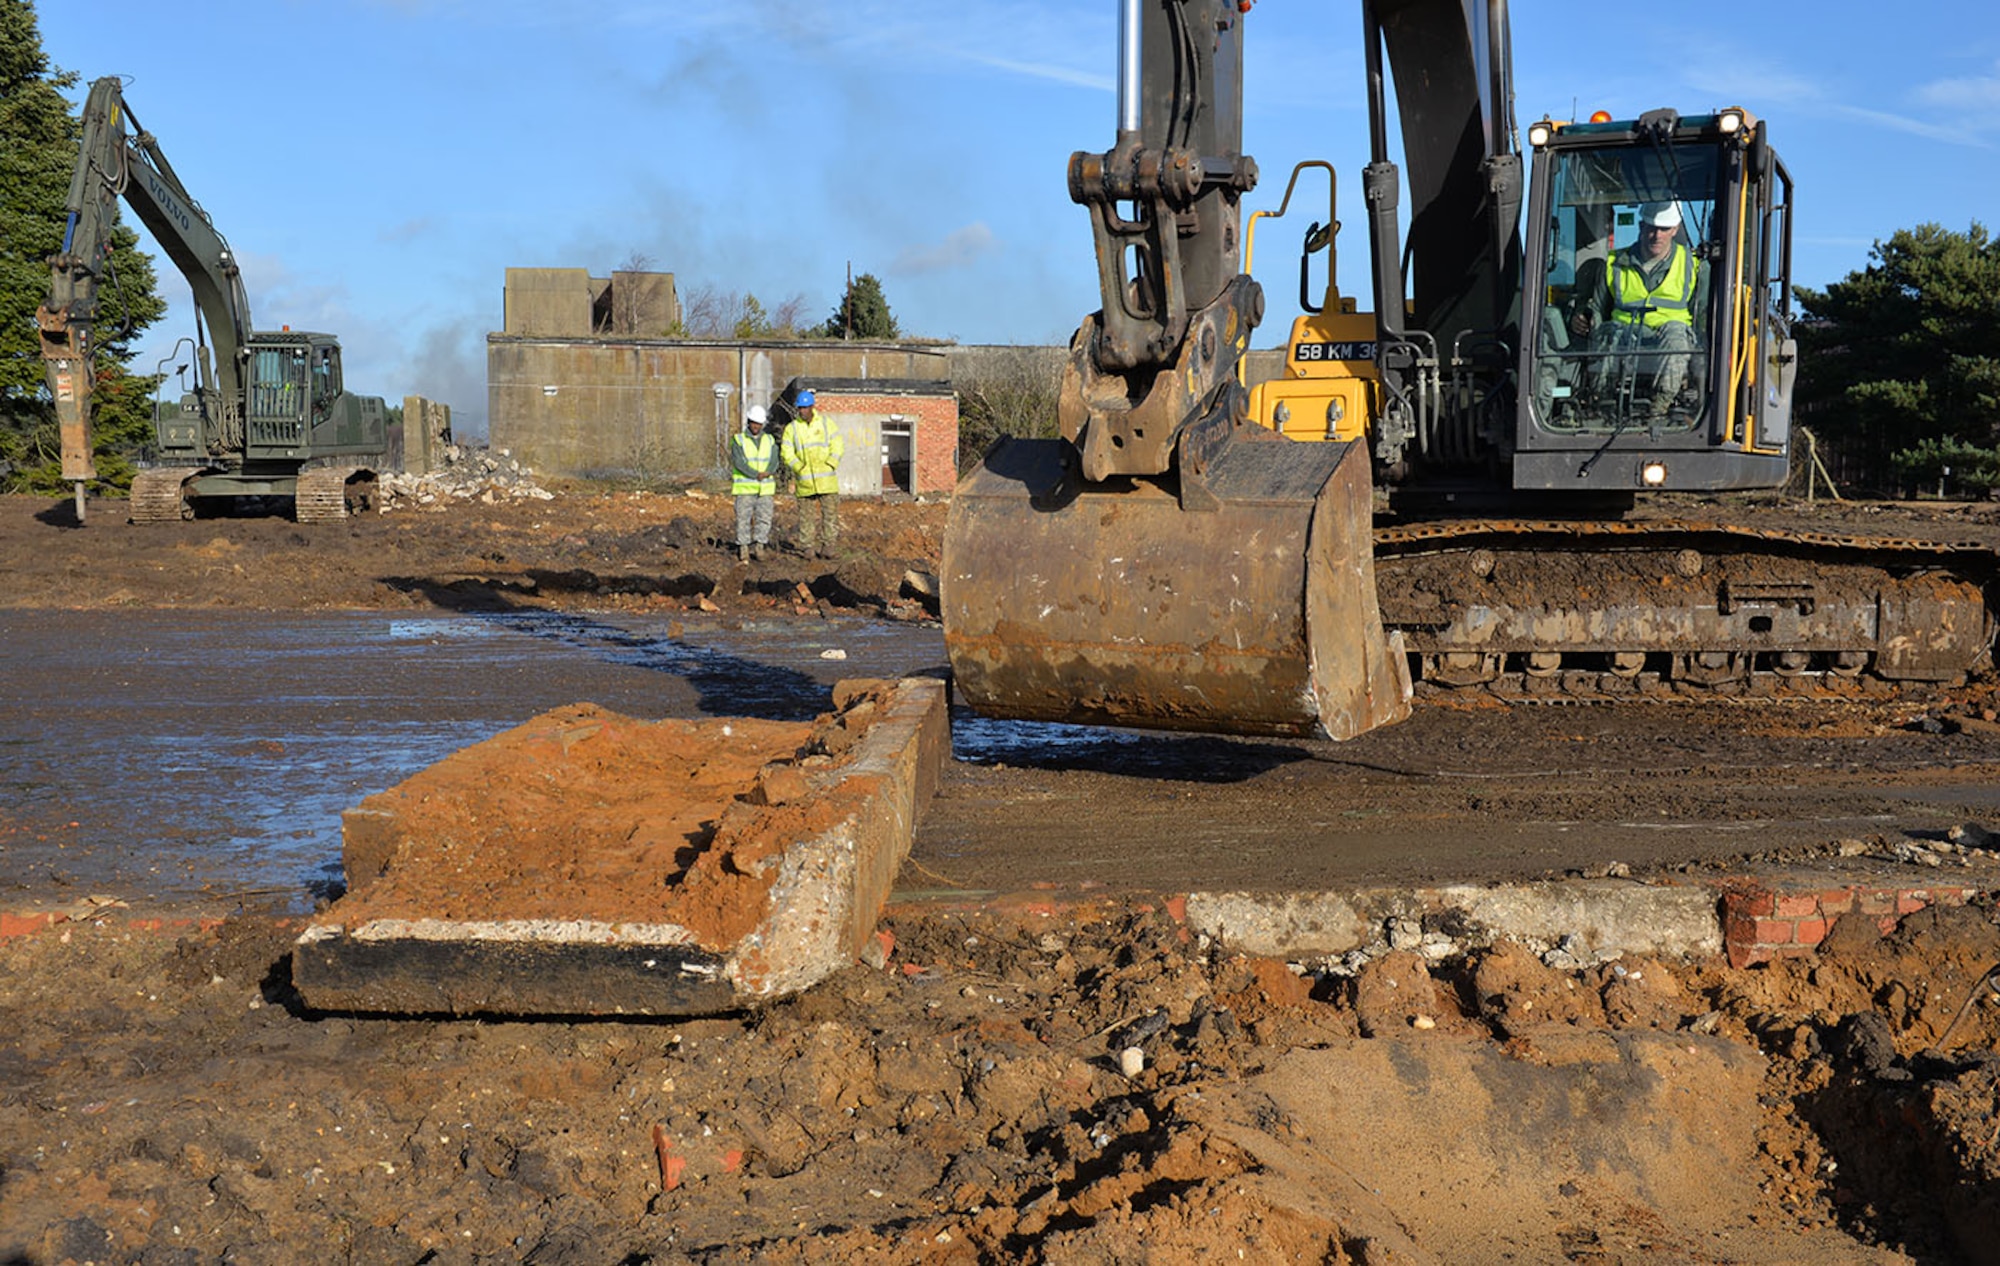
[1666, 215]
[756, 414]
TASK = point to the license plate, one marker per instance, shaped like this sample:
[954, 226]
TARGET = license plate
[1353, 349]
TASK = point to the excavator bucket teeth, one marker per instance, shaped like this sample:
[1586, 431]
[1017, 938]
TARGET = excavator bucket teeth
[1116, 606]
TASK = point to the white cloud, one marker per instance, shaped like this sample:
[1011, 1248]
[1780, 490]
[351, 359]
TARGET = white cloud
[1736, 80]
[1950, 134]
[1032, 39]
[958, 249]
[281, 297]
[1975, 98]
[1040, 70]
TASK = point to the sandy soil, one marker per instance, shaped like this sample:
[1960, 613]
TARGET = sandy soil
[1065, 1082]
[164, 1098]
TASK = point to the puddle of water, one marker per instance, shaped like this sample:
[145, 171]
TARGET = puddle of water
[166, 755]
[987, 741]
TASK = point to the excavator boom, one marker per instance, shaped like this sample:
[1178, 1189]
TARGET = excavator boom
[1166, 564]
[119, 159]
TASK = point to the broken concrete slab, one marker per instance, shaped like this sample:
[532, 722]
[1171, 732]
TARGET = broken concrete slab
[1280, 925]
[590, 864]
[1752, 915]
[1596, 918]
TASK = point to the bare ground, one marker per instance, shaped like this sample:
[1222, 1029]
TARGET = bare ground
[164, 1096]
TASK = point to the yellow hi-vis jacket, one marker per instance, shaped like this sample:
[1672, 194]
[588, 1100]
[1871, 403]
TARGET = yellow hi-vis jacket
[812, 453]
[753, 464]
[1673, 302]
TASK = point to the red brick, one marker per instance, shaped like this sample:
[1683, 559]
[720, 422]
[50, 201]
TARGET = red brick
[1875, 902]
[1746, 954]
[1836, 901]
[1775, 931]
[1912, 901]
[1797, 907]
[1811, 931]
[27, 924]
[1887, 923]
[1758, 903]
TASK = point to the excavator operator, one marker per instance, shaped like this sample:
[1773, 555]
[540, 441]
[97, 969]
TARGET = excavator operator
[1653, 296]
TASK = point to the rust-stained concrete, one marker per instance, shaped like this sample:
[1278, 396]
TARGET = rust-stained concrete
[595, 908]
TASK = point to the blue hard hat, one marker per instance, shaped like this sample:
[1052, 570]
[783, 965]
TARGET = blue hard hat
[804, 400]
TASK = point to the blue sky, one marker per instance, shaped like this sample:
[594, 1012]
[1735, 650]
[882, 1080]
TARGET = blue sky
[378, 164]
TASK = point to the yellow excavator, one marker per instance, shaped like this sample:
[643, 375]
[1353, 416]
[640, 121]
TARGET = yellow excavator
[1165, 564]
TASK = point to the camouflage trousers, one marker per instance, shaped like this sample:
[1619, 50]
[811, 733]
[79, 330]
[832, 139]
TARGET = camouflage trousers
[819, 521]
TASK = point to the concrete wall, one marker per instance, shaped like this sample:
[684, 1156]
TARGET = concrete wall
[973, 360]
[570, 303]
[553, 301]
[648, 408]
[426, 434]
[643, 305]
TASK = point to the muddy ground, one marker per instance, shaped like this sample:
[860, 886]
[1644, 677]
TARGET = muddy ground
[164, 1096]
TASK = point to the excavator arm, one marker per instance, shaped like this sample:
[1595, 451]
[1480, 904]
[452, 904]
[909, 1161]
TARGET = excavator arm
[1452, 62]
[1165, 564]
[119, 159]
[1154, 369]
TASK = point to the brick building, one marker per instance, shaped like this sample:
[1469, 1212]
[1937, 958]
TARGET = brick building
[901, 434]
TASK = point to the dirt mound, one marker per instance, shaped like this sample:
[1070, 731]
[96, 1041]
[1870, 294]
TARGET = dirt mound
[580, 550]
[577, 814]
[973, 1100]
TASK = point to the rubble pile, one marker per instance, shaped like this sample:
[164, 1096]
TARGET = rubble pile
[466, 474]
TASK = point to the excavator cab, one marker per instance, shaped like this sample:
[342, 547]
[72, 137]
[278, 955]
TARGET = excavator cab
[1656, 346]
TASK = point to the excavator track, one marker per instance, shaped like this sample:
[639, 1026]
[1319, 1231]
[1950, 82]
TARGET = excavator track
[324, 492]
[160, 496]
[1588, 611]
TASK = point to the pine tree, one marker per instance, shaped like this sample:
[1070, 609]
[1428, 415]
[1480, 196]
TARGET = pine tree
[863, 312]
[39, 133]
[1900, 362]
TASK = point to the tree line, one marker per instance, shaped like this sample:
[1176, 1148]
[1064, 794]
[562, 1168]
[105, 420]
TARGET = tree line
[1899, 363]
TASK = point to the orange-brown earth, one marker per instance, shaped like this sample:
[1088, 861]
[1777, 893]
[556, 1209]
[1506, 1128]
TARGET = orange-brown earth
[165, 1096]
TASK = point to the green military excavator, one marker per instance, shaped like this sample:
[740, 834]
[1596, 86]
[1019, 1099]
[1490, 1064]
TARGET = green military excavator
[269, 415]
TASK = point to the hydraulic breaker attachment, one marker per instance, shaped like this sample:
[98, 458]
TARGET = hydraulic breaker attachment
[1111, 604]
[66, 358]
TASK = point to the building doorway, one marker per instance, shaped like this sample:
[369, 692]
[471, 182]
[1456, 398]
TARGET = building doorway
[898, 453]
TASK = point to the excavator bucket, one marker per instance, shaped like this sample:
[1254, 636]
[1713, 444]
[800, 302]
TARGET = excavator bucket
[1113, 605]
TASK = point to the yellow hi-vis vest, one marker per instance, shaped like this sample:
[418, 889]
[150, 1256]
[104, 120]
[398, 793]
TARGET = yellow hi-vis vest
[753, 465]
[1672, 302]
[812, 450]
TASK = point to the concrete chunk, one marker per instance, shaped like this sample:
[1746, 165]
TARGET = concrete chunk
[590, 864]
